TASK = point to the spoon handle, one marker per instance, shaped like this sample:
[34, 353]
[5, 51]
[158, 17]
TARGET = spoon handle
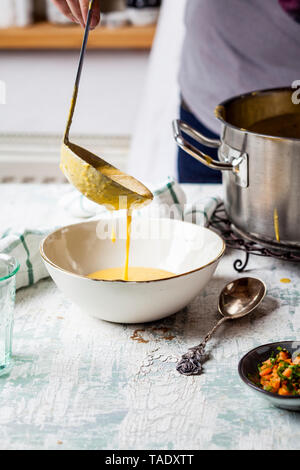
[191, 362]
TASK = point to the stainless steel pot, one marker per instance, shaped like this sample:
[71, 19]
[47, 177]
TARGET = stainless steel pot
[261, 173]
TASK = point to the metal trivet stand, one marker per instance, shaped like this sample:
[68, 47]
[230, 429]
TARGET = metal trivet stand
[235, 240]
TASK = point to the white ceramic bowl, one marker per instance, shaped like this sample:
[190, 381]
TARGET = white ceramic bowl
[189, 251]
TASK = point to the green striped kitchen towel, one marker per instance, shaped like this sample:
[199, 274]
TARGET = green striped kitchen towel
[169, 201]
[24, 244]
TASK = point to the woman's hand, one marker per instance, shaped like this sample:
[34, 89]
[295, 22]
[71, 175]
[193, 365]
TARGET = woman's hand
[77, 10]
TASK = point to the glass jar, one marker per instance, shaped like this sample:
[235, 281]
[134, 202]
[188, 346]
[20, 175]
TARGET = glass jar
[9, 267]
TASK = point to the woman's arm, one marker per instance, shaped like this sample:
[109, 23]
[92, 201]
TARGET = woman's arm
[77, 10]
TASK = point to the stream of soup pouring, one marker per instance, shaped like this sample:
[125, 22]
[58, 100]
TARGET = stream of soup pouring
[126, 273]
[128, 238]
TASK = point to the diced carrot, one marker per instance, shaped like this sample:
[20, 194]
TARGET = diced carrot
[288, 372]
[265, 372]
[275, 383]
[283, 356]
[283, 391]
[267, 363]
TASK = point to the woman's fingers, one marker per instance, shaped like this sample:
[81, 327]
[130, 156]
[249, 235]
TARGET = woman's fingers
[96, 14]
[84, 5]
[64, 8]
[76, 10]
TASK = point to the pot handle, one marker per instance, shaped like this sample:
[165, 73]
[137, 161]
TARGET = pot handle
[182, 126]
[179, 126]
[235, 162]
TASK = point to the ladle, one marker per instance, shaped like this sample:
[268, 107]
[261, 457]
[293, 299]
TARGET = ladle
[90, 174]
[237, 299]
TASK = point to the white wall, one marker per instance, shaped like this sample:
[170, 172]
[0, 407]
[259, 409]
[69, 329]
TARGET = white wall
[40, 84]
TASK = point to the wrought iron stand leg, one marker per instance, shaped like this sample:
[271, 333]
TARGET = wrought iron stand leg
[239, 266]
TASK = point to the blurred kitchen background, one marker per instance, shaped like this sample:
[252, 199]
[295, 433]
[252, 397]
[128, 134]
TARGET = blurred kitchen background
[128, 95]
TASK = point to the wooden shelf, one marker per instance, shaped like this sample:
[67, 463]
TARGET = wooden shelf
[49, 36]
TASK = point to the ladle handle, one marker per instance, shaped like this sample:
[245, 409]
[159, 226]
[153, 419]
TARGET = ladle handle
[191, 362]
[79, 70]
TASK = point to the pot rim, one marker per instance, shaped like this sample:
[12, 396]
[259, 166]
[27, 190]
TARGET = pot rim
[227, 102]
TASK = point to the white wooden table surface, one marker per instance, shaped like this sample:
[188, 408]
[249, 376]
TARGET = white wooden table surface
[79, 383]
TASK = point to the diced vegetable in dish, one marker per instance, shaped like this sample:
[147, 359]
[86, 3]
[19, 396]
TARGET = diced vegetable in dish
[279, 374]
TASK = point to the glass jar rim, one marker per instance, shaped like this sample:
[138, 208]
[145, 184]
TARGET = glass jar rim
[16, 265]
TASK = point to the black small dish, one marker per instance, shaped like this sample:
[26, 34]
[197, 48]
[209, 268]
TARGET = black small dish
[248, 370]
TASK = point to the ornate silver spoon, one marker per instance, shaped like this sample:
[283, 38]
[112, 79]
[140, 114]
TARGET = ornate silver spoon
[237, 299]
